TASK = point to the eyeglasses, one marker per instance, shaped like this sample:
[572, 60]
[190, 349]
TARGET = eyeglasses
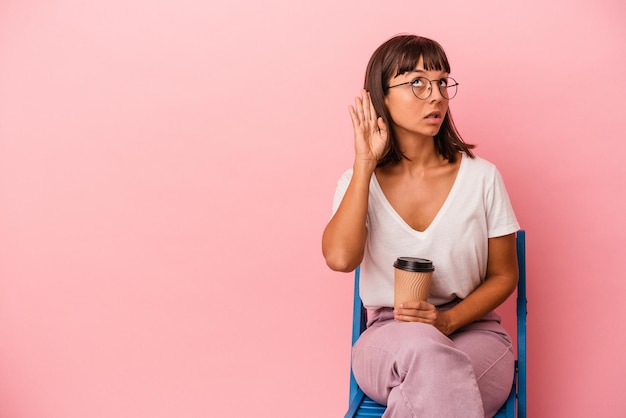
[422, 87]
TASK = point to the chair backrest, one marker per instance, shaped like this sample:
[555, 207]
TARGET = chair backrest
[359, 322]
[522, 311]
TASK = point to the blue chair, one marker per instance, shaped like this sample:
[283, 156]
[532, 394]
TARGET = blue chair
[363, 407]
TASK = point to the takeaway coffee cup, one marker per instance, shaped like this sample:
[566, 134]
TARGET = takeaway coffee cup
[412, 279]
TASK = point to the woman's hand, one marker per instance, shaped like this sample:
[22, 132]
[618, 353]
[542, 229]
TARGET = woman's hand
[420, 311]
[370, 131]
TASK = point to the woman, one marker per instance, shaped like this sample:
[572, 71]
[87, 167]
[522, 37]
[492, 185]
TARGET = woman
[416, 189]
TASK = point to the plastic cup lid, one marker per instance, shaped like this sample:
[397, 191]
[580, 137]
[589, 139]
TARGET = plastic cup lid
[414, 264]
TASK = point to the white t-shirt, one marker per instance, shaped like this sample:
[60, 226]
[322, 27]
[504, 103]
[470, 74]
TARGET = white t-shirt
[477, 208]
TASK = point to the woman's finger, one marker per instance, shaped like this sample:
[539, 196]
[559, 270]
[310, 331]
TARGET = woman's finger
[354, 117]
[381, 125]
[367, 104]
[359, 109]
[372, 111]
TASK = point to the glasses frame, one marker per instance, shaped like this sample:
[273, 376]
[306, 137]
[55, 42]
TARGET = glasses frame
[430, 87]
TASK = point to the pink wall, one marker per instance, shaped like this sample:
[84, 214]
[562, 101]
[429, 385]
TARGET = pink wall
[166, 170]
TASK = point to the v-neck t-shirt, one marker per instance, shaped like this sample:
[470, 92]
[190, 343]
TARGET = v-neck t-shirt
[477, 208]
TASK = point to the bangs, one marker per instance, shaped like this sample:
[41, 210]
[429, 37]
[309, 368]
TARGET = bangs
[430, 51]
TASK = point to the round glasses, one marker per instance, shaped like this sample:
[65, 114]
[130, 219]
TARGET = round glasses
[422, 87]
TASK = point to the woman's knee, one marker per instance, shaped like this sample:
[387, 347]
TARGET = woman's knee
[496, 381]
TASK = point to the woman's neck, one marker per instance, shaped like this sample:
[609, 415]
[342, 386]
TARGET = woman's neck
[421, 154]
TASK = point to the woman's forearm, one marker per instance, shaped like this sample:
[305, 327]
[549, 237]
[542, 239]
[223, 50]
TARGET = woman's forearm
[500, 283]
[343, 241]
[483, 300]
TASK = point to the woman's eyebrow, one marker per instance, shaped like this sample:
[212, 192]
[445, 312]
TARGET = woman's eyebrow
[416, 71]
[420, 72]
[409, 73]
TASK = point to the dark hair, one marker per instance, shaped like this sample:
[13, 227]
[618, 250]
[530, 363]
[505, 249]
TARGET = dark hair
[399, 55]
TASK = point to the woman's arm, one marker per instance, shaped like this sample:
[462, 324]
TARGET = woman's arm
[343, 242]
[500, 282]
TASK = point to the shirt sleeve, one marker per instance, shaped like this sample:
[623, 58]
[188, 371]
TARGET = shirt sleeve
[340, 191]
[501, 219]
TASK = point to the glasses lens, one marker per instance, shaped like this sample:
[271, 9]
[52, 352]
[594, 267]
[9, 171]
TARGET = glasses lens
[448, 87]
[421, 88]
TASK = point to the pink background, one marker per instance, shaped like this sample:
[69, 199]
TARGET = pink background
[167, 168]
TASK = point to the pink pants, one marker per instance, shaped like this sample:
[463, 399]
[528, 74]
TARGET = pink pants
[418, 372]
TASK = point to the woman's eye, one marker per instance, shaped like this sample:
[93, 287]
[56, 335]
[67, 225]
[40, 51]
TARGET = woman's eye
[417, 82]
[443, 82]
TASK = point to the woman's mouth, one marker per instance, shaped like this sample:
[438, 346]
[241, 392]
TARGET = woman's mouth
[434, 117]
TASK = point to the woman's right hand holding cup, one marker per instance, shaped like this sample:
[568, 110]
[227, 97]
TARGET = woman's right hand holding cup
[370, 131]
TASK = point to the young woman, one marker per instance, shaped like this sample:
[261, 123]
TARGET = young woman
[416, 189]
